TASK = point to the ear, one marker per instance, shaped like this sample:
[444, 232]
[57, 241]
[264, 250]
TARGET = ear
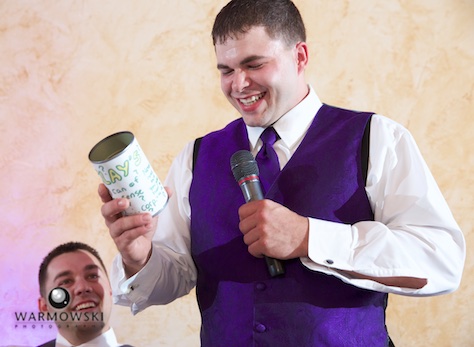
[301, 56]
[42, 305]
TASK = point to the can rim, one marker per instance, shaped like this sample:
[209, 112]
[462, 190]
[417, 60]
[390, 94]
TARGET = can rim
[105, 139]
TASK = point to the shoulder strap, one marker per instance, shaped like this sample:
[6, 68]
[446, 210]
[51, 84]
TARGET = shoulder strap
[365, 150]
[197, 144]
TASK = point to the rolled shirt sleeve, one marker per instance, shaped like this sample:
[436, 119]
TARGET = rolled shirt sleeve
[414, 233]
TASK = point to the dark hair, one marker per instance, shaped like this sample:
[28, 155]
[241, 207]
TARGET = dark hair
[280, 18]
[61, 249]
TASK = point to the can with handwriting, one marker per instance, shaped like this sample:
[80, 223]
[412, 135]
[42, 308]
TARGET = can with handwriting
[127, 173]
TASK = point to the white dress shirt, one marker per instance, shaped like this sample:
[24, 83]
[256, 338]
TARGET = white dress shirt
[413, 235]
[107, 339]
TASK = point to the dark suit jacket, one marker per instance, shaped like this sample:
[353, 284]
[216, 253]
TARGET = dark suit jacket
[52, 343]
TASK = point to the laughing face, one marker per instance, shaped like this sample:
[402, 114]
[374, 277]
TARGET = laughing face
[82, 275]
[263, 78]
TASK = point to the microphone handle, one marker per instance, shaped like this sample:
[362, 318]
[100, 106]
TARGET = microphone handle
[252, 191]
[274, 266]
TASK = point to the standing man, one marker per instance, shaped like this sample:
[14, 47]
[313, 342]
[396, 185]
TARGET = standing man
[77, 269]
[353, 214]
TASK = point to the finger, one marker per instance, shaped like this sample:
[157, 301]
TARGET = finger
[112, 210]
[250, 238]
[169, 191]
[104, 193]
[246, 210]
[126, 239]
[248, 214]
[245, 226]
[257, 208]
[255, 250]
[138, 223]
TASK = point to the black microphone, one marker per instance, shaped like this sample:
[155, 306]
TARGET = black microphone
[245, 170]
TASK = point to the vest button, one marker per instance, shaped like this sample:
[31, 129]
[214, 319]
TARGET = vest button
[260, 328]
[261, 286]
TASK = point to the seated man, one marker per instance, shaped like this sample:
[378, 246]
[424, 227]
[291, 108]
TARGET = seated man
[85, 297]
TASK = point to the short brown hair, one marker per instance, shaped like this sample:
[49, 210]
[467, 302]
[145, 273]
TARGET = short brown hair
[280, 18]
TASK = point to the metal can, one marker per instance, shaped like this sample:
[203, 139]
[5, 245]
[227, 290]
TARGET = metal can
[127, 173]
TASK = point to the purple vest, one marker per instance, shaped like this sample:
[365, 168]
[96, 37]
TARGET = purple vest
[240, 304]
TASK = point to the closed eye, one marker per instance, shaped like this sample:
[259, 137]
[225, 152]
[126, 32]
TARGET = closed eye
[226, 72]
[254, 66]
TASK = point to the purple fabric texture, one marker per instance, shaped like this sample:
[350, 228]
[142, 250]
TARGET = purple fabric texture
[240, 304]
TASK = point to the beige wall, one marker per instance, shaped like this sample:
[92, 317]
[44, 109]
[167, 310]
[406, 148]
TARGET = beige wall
[72, 72]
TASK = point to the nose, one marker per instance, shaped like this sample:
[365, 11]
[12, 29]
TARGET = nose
[82, 286]
[240, 81]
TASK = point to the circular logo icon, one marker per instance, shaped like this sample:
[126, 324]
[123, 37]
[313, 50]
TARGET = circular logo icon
[59, 298]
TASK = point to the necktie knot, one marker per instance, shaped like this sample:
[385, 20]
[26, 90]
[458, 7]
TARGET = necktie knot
[269, 136]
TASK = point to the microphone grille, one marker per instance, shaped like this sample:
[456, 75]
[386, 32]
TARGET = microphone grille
[243, 164]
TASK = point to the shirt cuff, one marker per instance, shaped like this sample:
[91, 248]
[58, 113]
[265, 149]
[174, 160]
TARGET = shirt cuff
[331, 249]
[330, 244]
[135, 290]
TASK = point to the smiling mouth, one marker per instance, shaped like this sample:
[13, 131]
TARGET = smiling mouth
[251, 100]
[85, 305]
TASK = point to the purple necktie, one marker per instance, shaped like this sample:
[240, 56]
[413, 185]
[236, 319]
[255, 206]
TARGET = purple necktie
[267, 159]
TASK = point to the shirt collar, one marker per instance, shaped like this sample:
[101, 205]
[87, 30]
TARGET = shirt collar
[292, 126]
[107, 339]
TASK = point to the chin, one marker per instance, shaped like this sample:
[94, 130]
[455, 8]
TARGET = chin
[90, 328]
[254, 121]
